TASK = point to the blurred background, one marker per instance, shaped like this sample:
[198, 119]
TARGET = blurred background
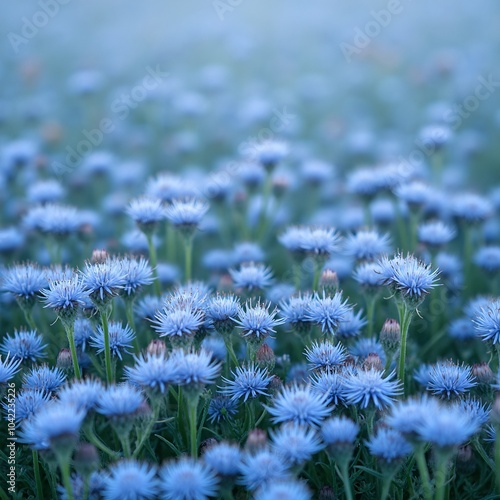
[360, 81]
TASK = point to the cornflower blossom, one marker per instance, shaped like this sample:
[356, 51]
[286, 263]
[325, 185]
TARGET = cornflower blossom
[366, 245]
[295, 312]
[389, 446]
[295, 443]
[257, 322]
[65, 297]
[247, 382]
[147, 213]
[262, 468]
[129, 479]
[43, 378]
[328, 312]
[24, 281]
[120, 339]
[224, 458]
[435, 233]
[24, 345]
[487, 322]
[251, 277]
[8, 368]
[325, 355]
[153, 373]
[448, 380]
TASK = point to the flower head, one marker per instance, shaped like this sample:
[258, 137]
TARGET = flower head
[83, 394]
[295, 312]
[487, 322]
[24, 281]
[103, 280]
[137, 273]
[221, 408]
[338, 432]
[120, 339]
[367, 245]
[221, 311]
[187, 479]
[195, 370]
[65, 296]
[224, 458]
[8, 368]
[371, 389]
[120, 402]
[153, 373]
[289, 489]
[388, 445]
[330, 384]
[130, 480]
[147, 213]
[261, 469]
[24, 345]
[449, 380]
[257, 322]
[299, 404]
[43, 378]
[252, 276]
[327, 311]
[29, 403]
[186, 215]
[249, 382]
[325, 355]
[269, 153]
[57, 220]
[435, 233]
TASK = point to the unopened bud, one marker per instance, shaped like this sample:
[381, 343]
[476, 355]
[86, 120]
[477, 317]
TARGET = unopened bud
[373, 362]
[265, 357]
[256, 441]
[156, 347]
[466, 464]
[329, 281]
[206, 444]
[86, 459]
[64, 360]
[483, 373]
[99, 256]
[326, 493]
[390, 336]
[275, 385]
[280, 185]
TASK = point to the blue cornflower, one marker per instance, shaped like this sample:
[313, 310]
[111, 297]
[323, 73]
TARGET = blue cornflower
[300, 404]
[293, 238]
[368, 276]
[320, 242]
[471, 208]
[120, 339]
[269, 152]
[382, 211]
[389, 446]
[24, 281]
[187, 479]
[147, 213]
[295, 443]
[422, 374]
[325, 356]
[24, 345]
[410, 277]
[339, 432]
[251, 277]
[295, 312]
[216, 346]
[57, 220]
[488, 258]
[462, 329]
[257, 322]
[83, 394]
[120, 401]
[415, 193]
[367, 245]
[11, 239]
[262, 468]
[448, 380]
[476, 305]
[137, 273]
[435, 233]
[153, 373]
[476, 409]
[52, 422]
[168, 274]
[147, 306]
[221, 311]
[351, 325]
[186, 215]
[330, 384]
[195, 370]
[218, 260]
[103, 280]
[247, 251]
[43, 378]
[371, 389]
[65, 296]
[130, 480]
[168, 187]
[366, 346]
[178, 322]
[280, 292]
[28, 403]
[57, 272]
[365, 182]
[327, 311]
[435, 136]
[224, 458]
[221, 408]
[249, 382]
[447, 428]
[290, 489]
[450, 265]
[83, 331]
[8, 368]
[45, 191]
[406, 416]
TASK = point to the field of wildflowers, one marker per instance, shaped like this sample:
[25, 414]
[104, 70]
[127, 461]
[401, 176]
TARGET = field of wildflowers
[237, 265]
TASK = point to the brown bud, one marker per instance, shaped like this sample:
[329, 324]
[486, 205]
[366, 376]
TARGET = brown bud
[156, 347]
[265, 357]
[64, 360]
[373, 361]
[329, 281]
[483, 373]
[390, 336]
[99, 256]
[256, 440]
[275, 385]
[86, 458]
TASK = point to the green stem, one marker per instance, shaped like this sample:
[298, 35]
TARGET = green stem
[370, 313]
[70, 332]
[230, 350]
[145, 435]
[441, 475]
[497, 457]
[386, 486]
[129, 313]
[125, 442]
[154, 263]
[28, 316]
[188, 243]
[405, 316]
[66, 478]
[192, 406]
[424, 472]
[170, 242]
[344, 475]
[36, 470]
[107, 348]
[317, 275]
[468, 250]
[266, 196]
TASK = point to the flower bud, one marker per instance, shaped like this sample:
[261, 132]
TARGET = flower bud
[86, 459]
[265, 357]
[99, 256]
[256, 440]
[329, 281]
[390, 336]
[373, 361]
[156, 347]
[64, 360]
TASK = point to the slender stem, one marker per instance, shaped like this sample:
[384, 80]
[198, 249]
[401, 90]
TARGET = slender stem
[170, 242]
[424, 472]
[66, 478]
[405, 316]
[188, 242]
[468, 250]
[192, 405]
[317, 275]
[266, 195]
[107, 348]
[386, 486]
[370, 313]
[70, 332]
[479, 448]
[230, 350]
[497, 457]
[344, 475]
[145, 435]
[38, 479]
[441, 475]
[125, 442]
[154, 263]
[28, 316]
[89, 433]
[129, 313]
